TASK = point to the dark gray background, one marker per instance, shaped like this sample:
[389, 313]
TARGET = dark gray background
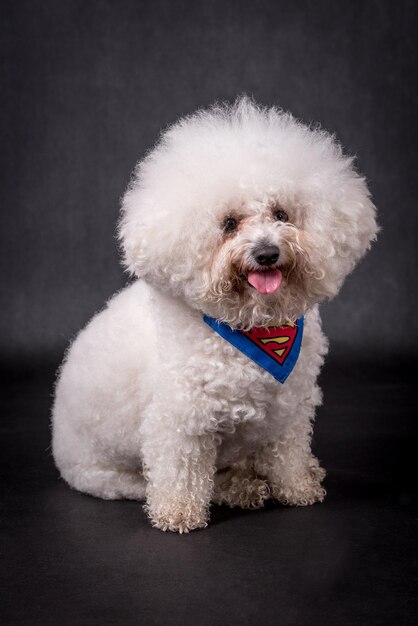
[87, 87]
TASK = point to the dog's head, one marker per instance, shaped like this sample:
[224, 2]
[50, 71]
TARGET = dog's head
[247, 214]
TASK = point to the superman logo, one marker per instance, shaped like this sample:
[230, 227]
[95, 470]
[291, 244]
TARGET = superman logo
[276, 341]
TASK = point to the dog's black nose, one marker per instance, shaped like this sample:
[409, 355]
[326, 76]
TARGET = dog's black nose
[266, 255]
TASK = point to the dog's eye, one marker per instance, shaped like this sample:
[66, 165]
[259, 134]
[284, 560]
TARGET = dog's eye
[281, 216]
[229, 225]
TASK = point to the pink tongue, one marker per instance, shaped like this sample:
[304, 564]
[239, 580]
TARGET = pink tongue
[265, 282]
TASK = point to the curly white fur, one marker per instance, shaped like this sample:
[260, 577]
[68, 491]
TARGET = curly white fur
[150, 402]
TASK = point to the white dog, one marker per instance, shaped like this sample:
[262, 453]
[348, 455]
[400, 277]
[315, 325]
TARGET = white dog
[245, 216]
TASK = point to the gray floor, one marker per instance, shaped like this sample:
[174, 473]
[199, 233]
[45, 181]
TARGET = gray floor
[70, 559]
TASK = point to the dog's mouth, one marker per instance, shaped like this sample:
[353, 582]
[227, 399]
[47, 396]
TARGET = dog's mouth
[265, 281]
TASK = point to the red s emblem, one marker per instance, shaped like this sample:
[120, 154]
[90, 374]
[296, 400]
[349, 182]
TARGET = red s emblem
[276, 341]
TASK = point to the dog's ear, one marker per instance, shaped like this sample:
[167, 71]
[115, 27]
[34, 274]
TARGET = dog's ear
[153, 227]
[351, 225]
[135, 230]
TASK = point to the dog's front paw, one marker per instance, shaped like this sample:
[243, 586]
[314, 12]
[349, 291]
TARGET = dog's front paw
[177, 517]
[301, 490]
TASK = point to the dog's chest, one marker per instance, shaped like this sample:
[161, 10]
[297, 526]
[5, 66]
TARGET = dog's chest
[230, 388]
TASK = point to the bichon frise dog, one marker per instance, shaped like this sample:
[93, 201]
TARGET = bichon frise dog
[237, 224]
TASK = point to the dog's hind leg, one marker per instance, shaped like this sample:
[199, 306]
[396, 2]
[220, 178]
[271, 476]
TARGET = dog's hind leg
[239, 485]
[106, 483]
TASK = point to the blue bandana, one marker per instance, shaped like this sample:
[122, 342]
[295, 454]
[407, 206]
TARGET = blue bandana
[275, 348]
